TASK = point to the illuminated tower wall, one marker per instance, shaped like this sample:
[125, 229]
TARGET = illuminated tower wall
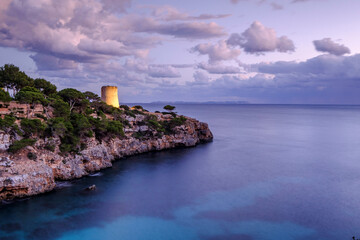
[109, 94]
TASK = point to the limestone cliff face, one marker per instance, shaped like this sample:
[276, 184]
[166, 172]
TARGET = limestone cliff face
[20, 176]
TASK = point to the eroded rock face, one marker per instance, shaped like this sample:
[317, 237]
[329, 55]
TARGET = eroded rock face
[21, 177]
[25, 178]
[5, 141]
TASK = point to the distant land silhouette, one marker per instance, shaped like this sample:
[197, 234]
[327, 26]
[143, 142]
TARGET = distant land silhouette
[208, 102]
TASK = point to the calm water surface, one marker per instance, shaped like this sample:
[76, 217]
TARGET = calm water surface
[272, 173]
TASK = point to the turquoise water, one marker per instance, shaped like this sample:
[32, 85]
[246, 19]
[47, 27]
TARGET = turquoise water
[272, 172]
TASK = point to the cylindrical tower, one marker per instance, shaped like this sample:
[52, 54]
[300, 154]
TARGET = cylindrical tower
[109, 94]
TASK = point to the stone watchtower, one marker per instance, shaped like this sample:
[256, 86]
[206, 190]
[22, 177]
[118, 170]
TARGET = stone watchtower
[109, 94]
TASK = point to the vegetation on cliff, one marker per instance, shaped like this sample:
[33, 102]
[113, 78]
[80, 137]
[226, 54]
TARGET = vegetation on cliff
[70, 115]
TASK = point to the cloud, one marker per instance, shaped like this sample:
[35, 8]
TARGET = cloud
[169, 13]
[323, 79]
[217, 52]
[163, 72]
[329, 46]
[200, 79]
[330, 67]
[116, 5]
[49, 63]
[188, 30]
[276, 6]
[300, 1]
[91, 31]
[258, 39]
[219, 68]
[153, 70]
[237, 1]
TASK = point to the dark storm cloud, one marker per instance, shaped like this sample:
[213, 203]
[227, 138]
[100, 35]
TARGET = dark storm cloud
[329, 46]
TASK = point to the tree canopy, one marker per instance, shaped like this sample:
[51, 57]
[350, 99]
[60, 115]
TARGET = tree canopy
[44, 86]
[30, 95]
[73, 97]
[12, 78]
[169, 107]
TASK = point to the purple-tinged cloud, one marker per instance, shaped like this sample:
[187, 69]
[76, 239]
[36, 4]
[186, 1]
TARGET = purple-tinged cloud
[188, 30]
[301, 1]
[152, 70]
[200, 79]
[89, 31]
[329, 46]
[219, 68]
[324, 67]
[259, 39]
[163, 72]
[276, 6]
[116, 5]
[169, 13]
[50, 63]
[217, 52]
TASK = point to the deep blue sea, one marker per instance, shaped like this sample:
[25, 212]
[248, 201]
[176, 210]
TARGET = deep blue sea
[273, 172]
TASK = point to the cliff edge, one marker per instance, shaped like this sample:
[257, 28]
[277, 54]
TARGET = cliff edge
[35, 168]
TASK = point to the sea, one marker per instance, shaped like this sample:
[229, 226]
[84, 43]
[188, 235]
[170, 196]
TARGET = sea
[273, 172]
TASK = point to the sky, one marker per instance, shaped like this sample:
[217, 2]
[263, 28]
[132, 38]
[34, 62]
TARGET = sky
[258, 51]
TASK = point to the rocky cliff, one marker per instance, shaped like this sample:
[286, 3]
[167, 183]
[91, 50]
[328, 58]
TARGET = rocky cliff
[34, 169]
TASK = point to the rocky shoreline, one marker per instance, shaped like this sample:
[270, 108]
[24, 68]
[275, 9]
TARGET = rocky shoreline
[23, 176]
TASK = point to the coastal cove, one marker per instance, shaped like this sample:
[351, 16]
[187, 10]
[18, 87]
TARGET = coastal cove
[272, 172]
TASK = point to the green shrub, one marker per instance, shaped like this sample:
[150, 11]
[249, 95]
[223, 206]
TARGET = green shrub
[168, 126]
[50, 147]
[178, 121]
[125, 107]
[169, 107]
[115, 128]
[170, 113]
[154, 124]
[32, 126]
[81, 124]
[99, 127]
[58, 127]
[138, 107]
[70, 143]
[138, 135]
[61, 108]
[130, 113]
[4, 96]
[135, 111]
[30, 95]
[44, 86]
[66, 147]
[7, 122]
[18, 145]
[106, 128]
[32, 156]
[38, 115]
[101, 114]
